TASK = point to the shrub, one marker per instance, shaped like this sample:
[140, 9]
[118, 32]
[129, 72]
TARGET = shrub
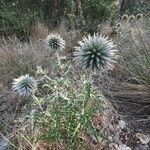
[134, 6]
[12, 21]
[69, 115]
[65, 114]
[18, 17]
[96, 11]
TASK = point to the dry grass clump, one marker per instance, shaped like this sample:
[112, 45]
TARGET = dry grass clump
[105, 29]
[17, 58]
[134, 43]
[128, 86]
[39, 31]
[71, 37]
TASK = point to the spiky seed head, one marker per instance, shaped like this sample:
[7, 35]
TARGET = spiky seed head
[24, 85]
[54, 42]
[118, 31]
[96, 52]
[118, 25]
[124, 17]
[139, 16]
[131, 18]
[40, 70]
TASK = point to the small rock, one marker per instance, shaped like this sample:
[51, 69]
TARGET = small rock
[144, 139]
[114, 146]
[3, 144]
[122, 124]
[124, 147]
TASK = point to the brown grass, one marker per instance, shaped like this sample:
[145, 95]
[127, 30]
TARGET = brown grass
[128, 85]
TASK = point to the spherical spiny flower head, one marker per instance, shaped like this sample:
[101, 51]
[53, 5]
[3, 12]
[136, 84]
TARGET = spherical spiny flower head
[118, 25]
[24, 85]
[54, 42]
[131, 18]
[96, 52]
[124, 17]
[139, 16]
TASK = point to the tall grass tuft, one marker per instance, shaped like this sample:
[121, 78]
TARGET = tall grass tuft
[18, 58]
[134, 41]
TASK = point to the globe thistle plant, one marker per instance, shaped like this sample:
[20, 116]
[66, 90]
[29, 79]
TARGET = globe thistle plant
[118, 25]
[96, 52]
[139, 16]
[131, 18]
[54, 42]
[124, 17]
[24, 85]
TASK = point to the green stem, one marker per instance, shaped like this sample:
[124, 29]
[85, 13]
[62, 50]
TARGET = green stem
[88, 92]
[89, 84]
[58, 59]
[36, 99]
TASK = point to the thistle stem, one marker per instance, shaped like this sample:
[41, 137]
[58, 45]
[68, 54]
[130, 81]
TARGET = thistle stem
[36, 99]
[89, 82]
[58, 59]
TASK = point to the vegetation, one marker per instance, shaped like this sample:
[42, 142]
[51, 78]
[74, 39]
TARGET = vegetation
[71, 72]
[134, 32]
[18, 16]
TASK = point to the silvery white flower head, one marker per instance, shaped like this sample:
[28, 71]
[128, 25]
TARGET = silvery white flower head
[54, 42]
[25, 85]
[96, 52]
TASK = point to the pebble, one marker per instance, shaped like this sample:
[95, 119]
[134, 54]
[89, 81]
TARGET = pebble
[3, 144]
